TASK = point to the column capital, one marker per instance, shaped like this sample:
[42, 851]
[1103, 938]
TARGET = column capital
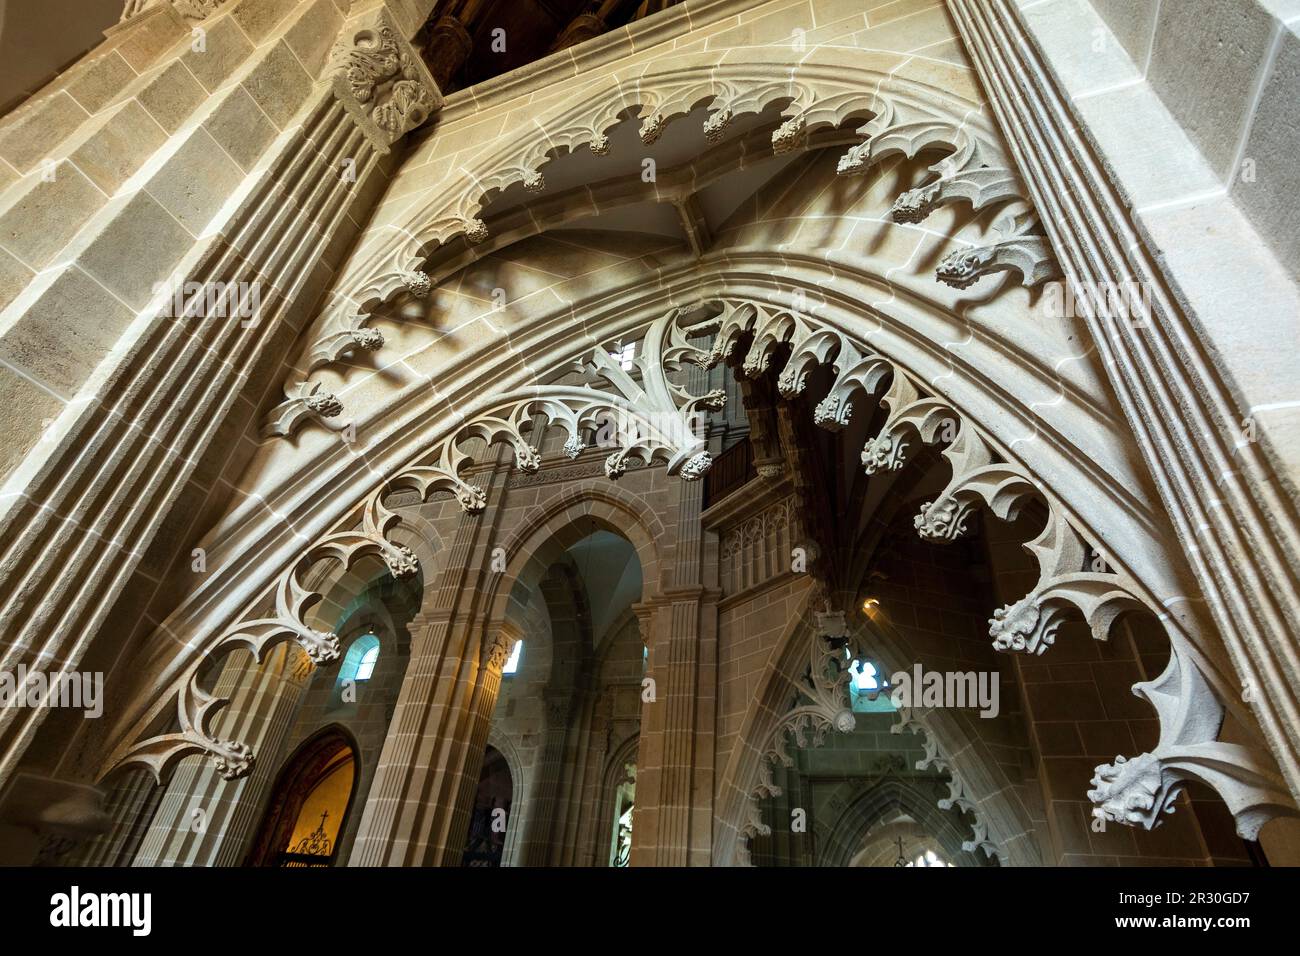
[498, 644]
[380, 79]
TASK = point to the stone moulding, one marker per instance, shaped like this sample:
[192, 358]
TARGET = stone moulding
[901, 117]
[823, 706]
[1226, 501]
[958, 795]
[982, 474]
[380, 79]
[649, 421]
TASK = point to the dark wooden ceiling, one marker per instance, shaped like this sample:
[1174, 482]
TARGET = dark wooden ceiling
[531, 30]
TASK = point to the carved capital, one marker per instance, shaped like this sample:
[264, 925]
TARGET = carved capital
[381, 80]
[497, 648]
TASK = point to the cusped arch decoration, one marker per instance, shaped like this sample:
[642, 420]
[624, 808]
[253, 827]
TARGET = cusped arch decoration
[820, 93]
[807, 663]
[1190, 698]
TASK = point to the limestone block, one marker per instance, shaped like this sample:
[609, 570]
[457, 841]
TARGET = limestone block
[39, 216]
[278, 84]
[116, 148]
[100, 81]
[258, 18]
[1086, 57]
[195, 181]
[133, 244]
[68, 328]
[14, 276]
[1267, 186]
[313, 35]
[1133, 24]
[150, 37]
[38, 128]
[171, 94]
[24, 408]
[1205, 64]
[225, 48]
[1153, 159]
[241, 128]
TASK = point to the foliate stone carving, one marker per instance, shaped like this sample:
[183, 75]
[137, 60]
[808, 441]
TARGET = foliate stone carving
[401, 561]
[655, 416]
[324, 404]
[1068, 582]
[652, 128]
[1027, 255]
[232, 759]
[497, 651]
[1016, 628]
[696, 466]
[980, 474]
[944, 520]
[715, 127]
[790, 135]
[418, 284]
[1138, 791]
[196, 707]
[369, 339]
[1132, 792]
[534, 182]
[973, 170]
[380, 79]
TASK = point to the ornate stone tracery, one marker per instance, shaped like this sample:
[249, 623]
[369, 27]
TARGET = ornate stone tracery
[958, 796]
[982, 474]
[649, 418]
[905, 119]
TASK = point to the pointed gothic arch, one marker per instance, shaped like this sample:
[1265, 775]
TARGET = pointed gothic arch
[897, 346]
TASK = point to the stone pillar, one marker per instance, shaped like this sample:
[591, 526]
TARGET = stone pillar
[496, 651]
[438, 734]
[69, 413]
[674, 815]
[204, 819]
[540, 841]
